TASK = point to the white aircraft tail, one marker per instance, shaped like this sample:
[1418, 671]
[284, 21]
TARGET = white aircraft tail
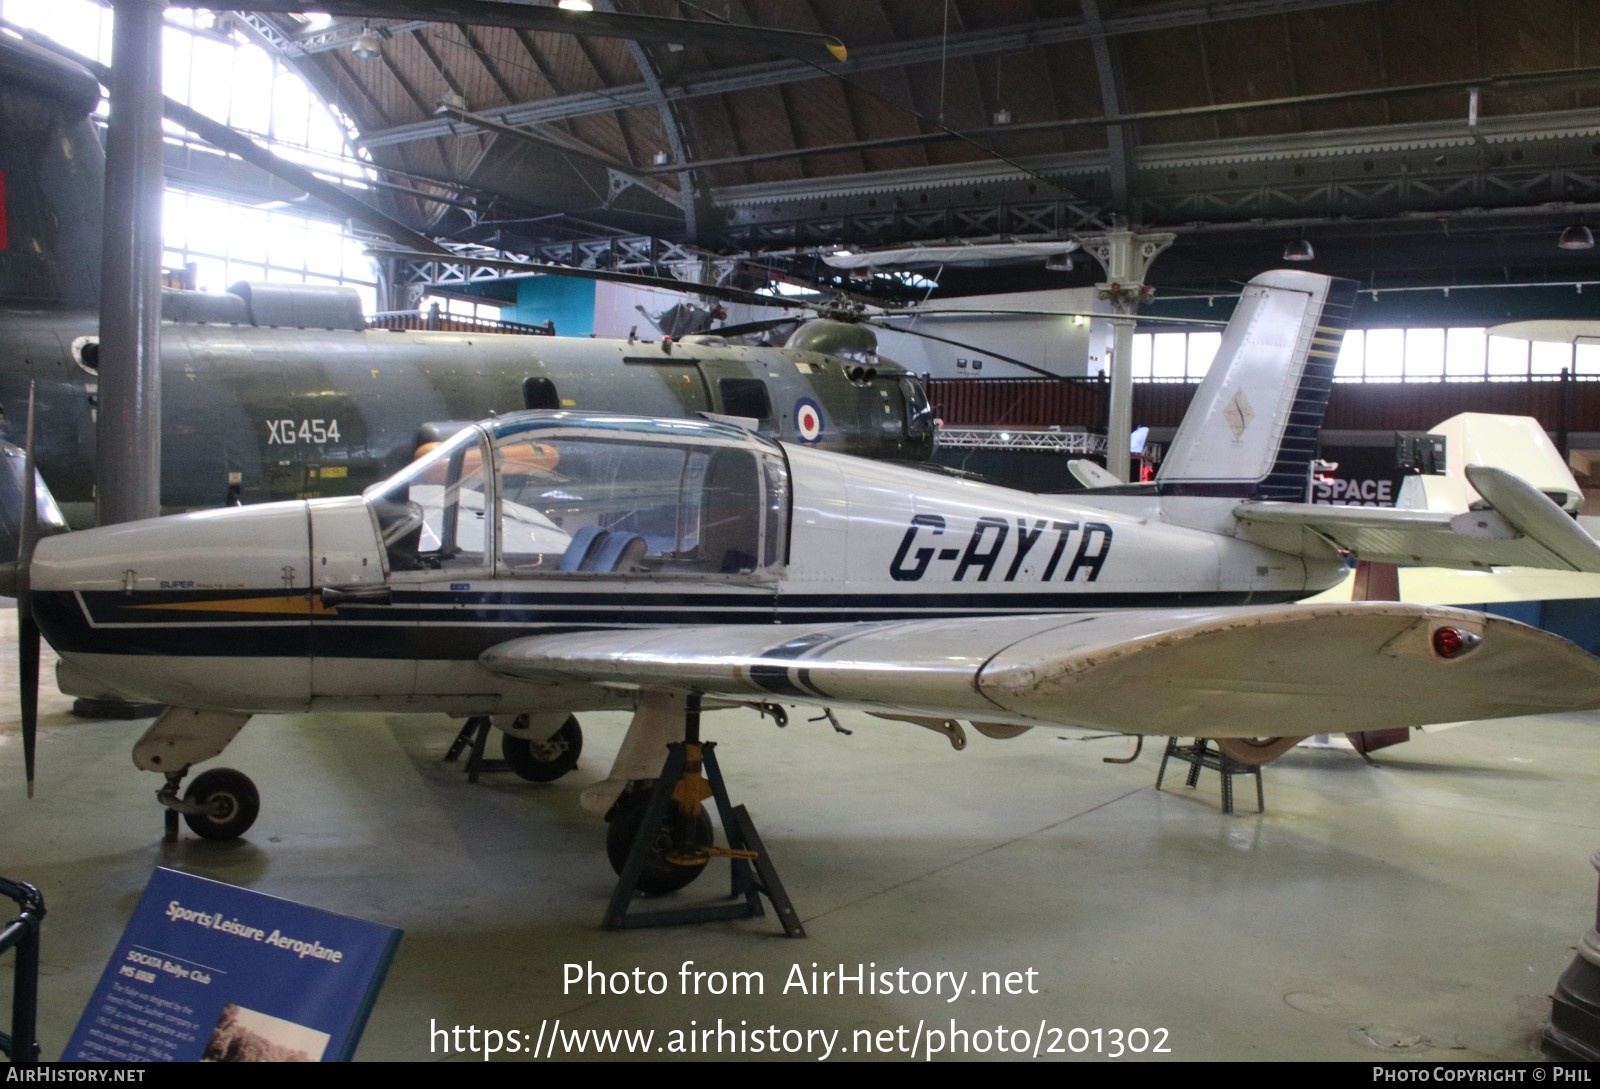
[1252, 428]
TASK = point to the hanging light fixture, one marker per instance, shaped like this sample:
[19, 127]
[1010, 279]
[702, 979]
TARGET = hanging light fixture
[1576, 237]
[368, 44]
[1298, 250]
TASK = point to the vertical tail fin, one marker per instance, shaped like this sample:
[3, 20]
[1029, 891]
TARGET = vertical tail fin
[1251, 431]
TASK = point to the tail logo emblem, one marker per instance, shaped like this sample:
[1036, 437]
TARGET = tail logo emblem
[1239, 414]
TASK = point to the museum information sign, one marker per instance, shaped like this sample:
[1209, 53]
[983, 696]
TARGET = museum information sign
[210, 971]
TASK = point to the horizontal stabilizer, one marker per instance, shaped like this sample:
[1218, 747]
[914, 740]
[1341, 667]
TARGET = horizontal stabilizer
[1532, 513]
[1522, 528]
[1291, 670]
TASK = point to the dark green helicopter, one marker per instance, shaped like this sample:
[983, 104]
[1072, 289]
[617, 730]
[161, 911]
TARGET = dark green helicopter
[277, 391]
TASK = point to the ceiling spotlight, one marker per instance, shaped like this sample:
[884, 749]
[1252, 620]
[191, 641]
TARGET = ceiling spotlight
[452, 102]
[1058, 262]
[659, 158]
[1576, 237]
[367, 46]
[1002, 117]
[575, 5]
[1298, 249]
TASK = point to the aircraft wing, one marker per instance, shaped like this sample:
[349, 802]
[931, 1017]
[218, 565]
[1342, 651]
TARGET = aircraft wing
[1520, 528]
[1245, 672]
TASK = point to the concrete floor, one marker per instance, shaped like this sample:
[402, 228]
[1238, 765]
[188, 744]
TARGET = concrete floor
[1421, 910]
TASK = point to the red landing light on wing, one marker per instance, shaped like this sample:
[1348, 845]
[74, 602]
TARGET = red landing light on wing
[1449, 642]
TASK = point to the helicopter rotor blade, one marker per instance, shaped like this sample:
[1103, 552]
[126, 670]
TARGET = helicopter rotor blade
[757, 326]
[635, 279]
[969, 347]
[956, 312]
[708, 34]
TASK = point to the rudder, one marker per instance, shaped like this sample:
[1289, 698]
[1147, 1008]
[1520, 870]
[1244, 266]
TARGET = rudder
[1251, 431]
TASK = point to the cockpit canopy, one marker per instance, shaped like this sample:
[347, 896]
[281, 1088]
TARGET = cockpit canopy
[570, 494]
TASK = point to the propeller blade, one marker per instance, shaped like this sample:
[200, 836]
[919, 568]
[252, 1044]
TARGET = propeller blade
[27, 630]
[28, 677]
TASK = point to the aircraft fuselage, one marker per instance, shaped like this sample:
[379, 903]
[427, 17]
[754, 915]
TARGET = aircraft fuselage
[386, 602]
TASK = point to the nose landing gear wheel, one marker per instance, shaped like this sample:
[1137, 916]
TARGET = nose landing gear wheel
[1256, 750]
[678, 835]
[230, 800]
[548, 760]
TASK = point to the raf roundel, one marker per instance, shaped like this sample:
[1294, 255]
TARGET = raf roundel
[808, 419]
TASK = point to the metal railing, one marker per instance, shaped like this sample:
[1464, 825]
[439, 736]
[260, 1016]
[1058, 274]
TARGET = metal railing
[454, 323]
[1079, 404]
[22, 934]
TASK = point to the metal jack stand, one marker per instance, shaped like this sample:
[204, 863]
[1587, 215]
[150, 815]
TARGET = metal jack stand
[1573, 1034]
[22, 933]
[753, 873]
[1199, 756]
[474, 733]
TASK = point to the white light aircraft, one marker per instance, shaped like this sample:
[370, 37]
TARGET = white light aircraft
[543, 564]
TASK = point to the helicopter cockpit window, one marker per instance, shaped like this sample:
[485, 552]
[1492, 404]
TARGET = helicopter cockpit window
[431, 515]
[571, 504]
[919, 413]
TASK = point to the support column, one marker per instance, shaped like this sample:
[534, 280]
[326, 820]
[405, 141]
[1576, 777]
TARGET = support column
[1125, 257]
[128, 432]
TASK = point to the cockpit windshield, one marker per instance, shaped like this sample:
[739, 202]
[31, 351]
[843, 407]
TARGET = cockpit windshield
[431, 514]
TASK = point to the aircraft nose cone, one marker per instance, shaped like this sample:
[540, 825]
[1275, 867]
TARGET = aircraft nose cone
[164, 562]
[231, 548]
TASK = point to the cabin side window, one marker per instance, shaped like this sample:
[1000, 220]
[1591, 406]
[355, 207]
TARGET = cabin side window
[539, 393]
[746, 397]
[578, 504]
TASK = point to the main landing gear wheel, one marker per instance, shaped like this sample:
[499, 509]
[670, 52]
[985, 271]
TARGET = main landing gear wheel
[544, 761]
[678, 835]
[231, 802]
[1256, 750]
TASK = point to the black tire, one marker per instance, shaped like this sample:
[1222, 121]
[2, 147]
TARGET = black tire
[548, 760]
[231, 795]
[1255, 751]
[676, 834]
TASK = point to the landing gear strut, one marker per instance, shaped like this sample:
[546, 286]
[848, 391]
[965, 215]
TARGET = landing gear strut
[544, 761]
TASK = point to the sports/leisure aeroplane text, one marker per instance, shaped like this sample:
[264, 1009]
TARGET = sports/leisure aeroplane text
[543, 564]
